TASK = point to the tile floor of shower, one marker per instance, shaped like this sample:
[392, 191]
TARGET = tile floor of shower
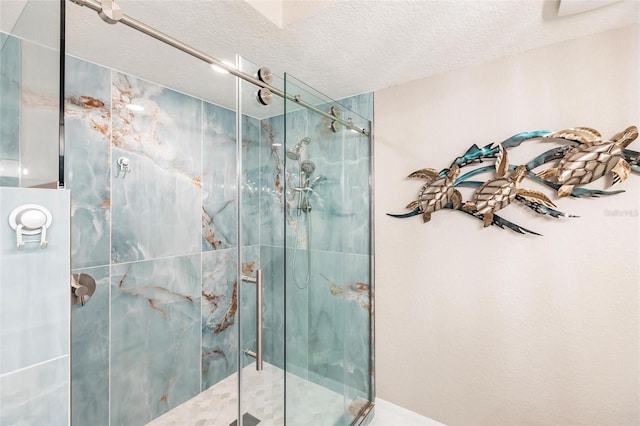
[217, 406]
[263, 399]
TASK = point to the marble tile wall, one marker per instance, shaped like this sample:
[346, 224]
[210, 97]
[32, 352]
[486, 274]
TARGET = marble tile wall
[219, 309]
[90, 353]
[156, 208]
[155, 337]
[87, 161]
[161, 241]
[331, 342]
[34, 314]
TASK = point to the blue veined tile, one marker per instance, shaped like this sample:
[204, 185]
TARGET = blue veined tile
[219, 316]
[251, 262]
[297, 313]
[251, 181]
[357, 202]
[357, 336]
[361, 104]
[326, 150]
[87, 168]
[338, 321]
[167, 130]
[219, 199]
[37, 395]
[155, 213]
[326, 310]
[157, 206]
[304, 229]
[357, 177]
[340, 199]
[273, 304]
[155, 337]
[272, 181]
[34, 295]
[299, 134]
[270, 260]
[10, 106]
[90, 354]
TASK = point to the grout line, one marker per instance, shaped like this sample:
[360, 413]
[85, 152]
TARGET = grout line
[158, 258]
[38, 364]
[110, 156]
[201, 320]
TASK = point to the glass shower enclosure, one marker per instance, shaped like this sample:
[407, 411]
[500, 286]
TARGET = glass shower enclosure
[328, 257]
[230, 249]
[306, 225]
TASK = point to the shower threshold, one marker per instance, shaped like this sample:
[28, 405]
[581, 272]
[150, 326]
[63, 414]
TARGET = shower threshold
[308, 404]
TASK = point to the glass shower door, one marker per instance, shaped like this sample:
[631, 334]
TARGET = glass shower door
[328, 259]
[305, 208]
[261, 253]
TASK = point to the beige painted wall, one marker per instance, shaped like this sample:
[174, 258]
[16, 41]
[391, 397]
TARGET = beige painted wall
[485, 326]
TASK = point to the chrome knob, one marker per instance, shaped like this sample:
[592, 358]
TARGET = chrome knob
[82, 288]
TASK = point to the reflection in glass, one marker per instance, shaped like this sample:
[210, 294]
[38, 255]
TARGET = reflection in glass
[29, 83]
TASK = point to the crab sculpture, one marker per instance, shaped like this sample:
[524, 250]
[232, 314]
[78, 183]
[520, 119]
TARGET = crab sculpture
[592, 159]
[498, 193]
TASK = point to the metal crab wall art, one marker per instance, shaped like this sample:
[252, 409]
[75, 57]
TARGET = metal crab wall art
[582, 158]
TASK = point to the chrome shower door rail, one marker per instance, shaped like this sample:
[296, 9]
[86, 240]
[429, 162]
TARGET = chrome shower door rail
[114, 15]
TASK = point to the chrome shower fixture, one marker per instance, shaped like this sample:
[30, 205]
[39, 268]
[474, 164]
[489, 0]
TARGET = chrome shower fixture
[335, 124]
[308, 167]
[265, 75]
[294, 153]
[264, 96]
[111, 13]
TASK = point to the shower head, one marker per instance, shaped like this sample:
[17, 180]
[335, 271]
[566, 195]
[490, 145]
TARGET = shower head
[294, 153]
[308, 167]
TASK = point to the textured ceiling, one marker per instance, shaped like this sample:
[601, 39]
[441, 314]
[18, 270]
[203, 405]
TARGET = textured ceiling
[344, 48]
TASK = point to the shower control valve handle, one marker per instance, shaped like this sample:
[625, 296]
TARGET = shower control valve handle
[79, 290]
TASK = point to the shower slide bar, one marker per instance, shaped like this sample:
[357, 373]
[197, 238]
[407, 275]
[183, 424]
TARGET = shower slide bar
[111, 13]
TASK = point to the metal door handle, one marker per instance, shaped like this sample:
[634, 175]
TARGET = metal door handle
[258, 353]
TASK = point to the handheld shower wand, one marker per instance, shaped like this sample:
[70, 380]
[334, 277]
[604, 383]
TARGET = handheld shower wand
[306, 169]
